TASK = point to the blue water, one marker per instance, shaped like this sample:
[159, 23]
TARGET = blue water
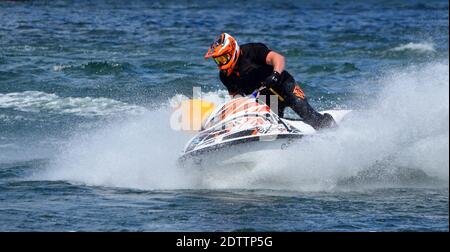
[86, 89]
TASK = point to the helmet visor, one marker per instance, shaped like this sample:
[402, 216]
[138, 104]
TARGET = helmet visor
[223, 59]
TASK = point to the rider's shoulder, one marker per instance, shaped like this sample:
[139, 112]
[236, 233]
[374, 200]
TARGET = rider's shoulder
[253, 48]
[253, 45]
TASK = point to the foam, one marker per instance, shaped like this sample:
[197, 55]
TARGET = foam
[419, 47]
[36, 102]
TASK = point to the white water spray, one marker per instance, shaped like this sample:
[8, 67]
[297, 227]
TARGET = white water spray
[407, 126]
[139, 153]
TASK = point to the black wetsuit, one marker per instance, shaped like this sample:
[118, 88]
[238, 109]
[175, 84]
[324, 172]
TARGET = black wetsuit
[251, 70]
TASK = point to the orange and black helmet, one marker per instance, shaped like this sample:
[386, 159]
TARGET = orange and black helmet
[225, 52]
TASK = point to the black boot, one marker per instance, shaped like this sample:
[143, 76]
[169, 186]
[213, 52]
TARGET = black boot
[326, 121]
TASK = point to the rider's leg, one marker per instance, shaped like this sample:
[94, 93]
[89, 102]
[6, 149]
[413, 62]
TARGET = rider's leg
[296, 99]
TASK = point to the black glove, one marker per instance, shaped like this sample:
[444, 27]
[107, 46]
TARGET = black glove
[272, 80]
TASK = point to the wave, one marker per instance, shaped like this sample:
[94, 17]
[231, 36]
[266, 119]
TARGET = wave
[11, 118]
[332, 68]
[41, 102]
[402, 136]
[418, 47]
[95, 67]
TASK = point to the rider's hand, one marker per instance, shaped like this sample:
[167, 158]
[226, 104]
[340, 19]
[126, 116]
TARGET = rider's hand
[272, 80]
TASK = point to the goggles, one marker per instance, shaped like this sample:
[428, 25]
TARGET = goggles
[223, 59]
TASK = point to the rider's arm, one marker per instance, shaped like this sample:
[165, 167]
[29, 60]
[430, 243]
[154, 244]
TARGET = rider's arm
[276, 60]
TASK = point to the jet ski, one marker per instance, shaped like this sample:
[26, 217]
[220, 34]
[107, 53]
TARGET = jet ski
[241, 131]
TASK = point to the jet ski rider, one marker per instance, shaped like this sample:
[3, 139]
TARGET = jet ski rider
[246, 68]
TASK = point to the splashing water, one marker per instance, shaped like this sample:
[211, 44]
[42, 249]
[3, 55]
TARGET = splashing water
[407, 125]
[420, 47]
[134, 154]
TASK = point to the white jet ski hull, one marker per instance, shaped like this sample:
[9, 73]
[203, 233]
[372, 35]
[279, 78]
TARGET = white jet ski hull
[242, 152]
[242, 132]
